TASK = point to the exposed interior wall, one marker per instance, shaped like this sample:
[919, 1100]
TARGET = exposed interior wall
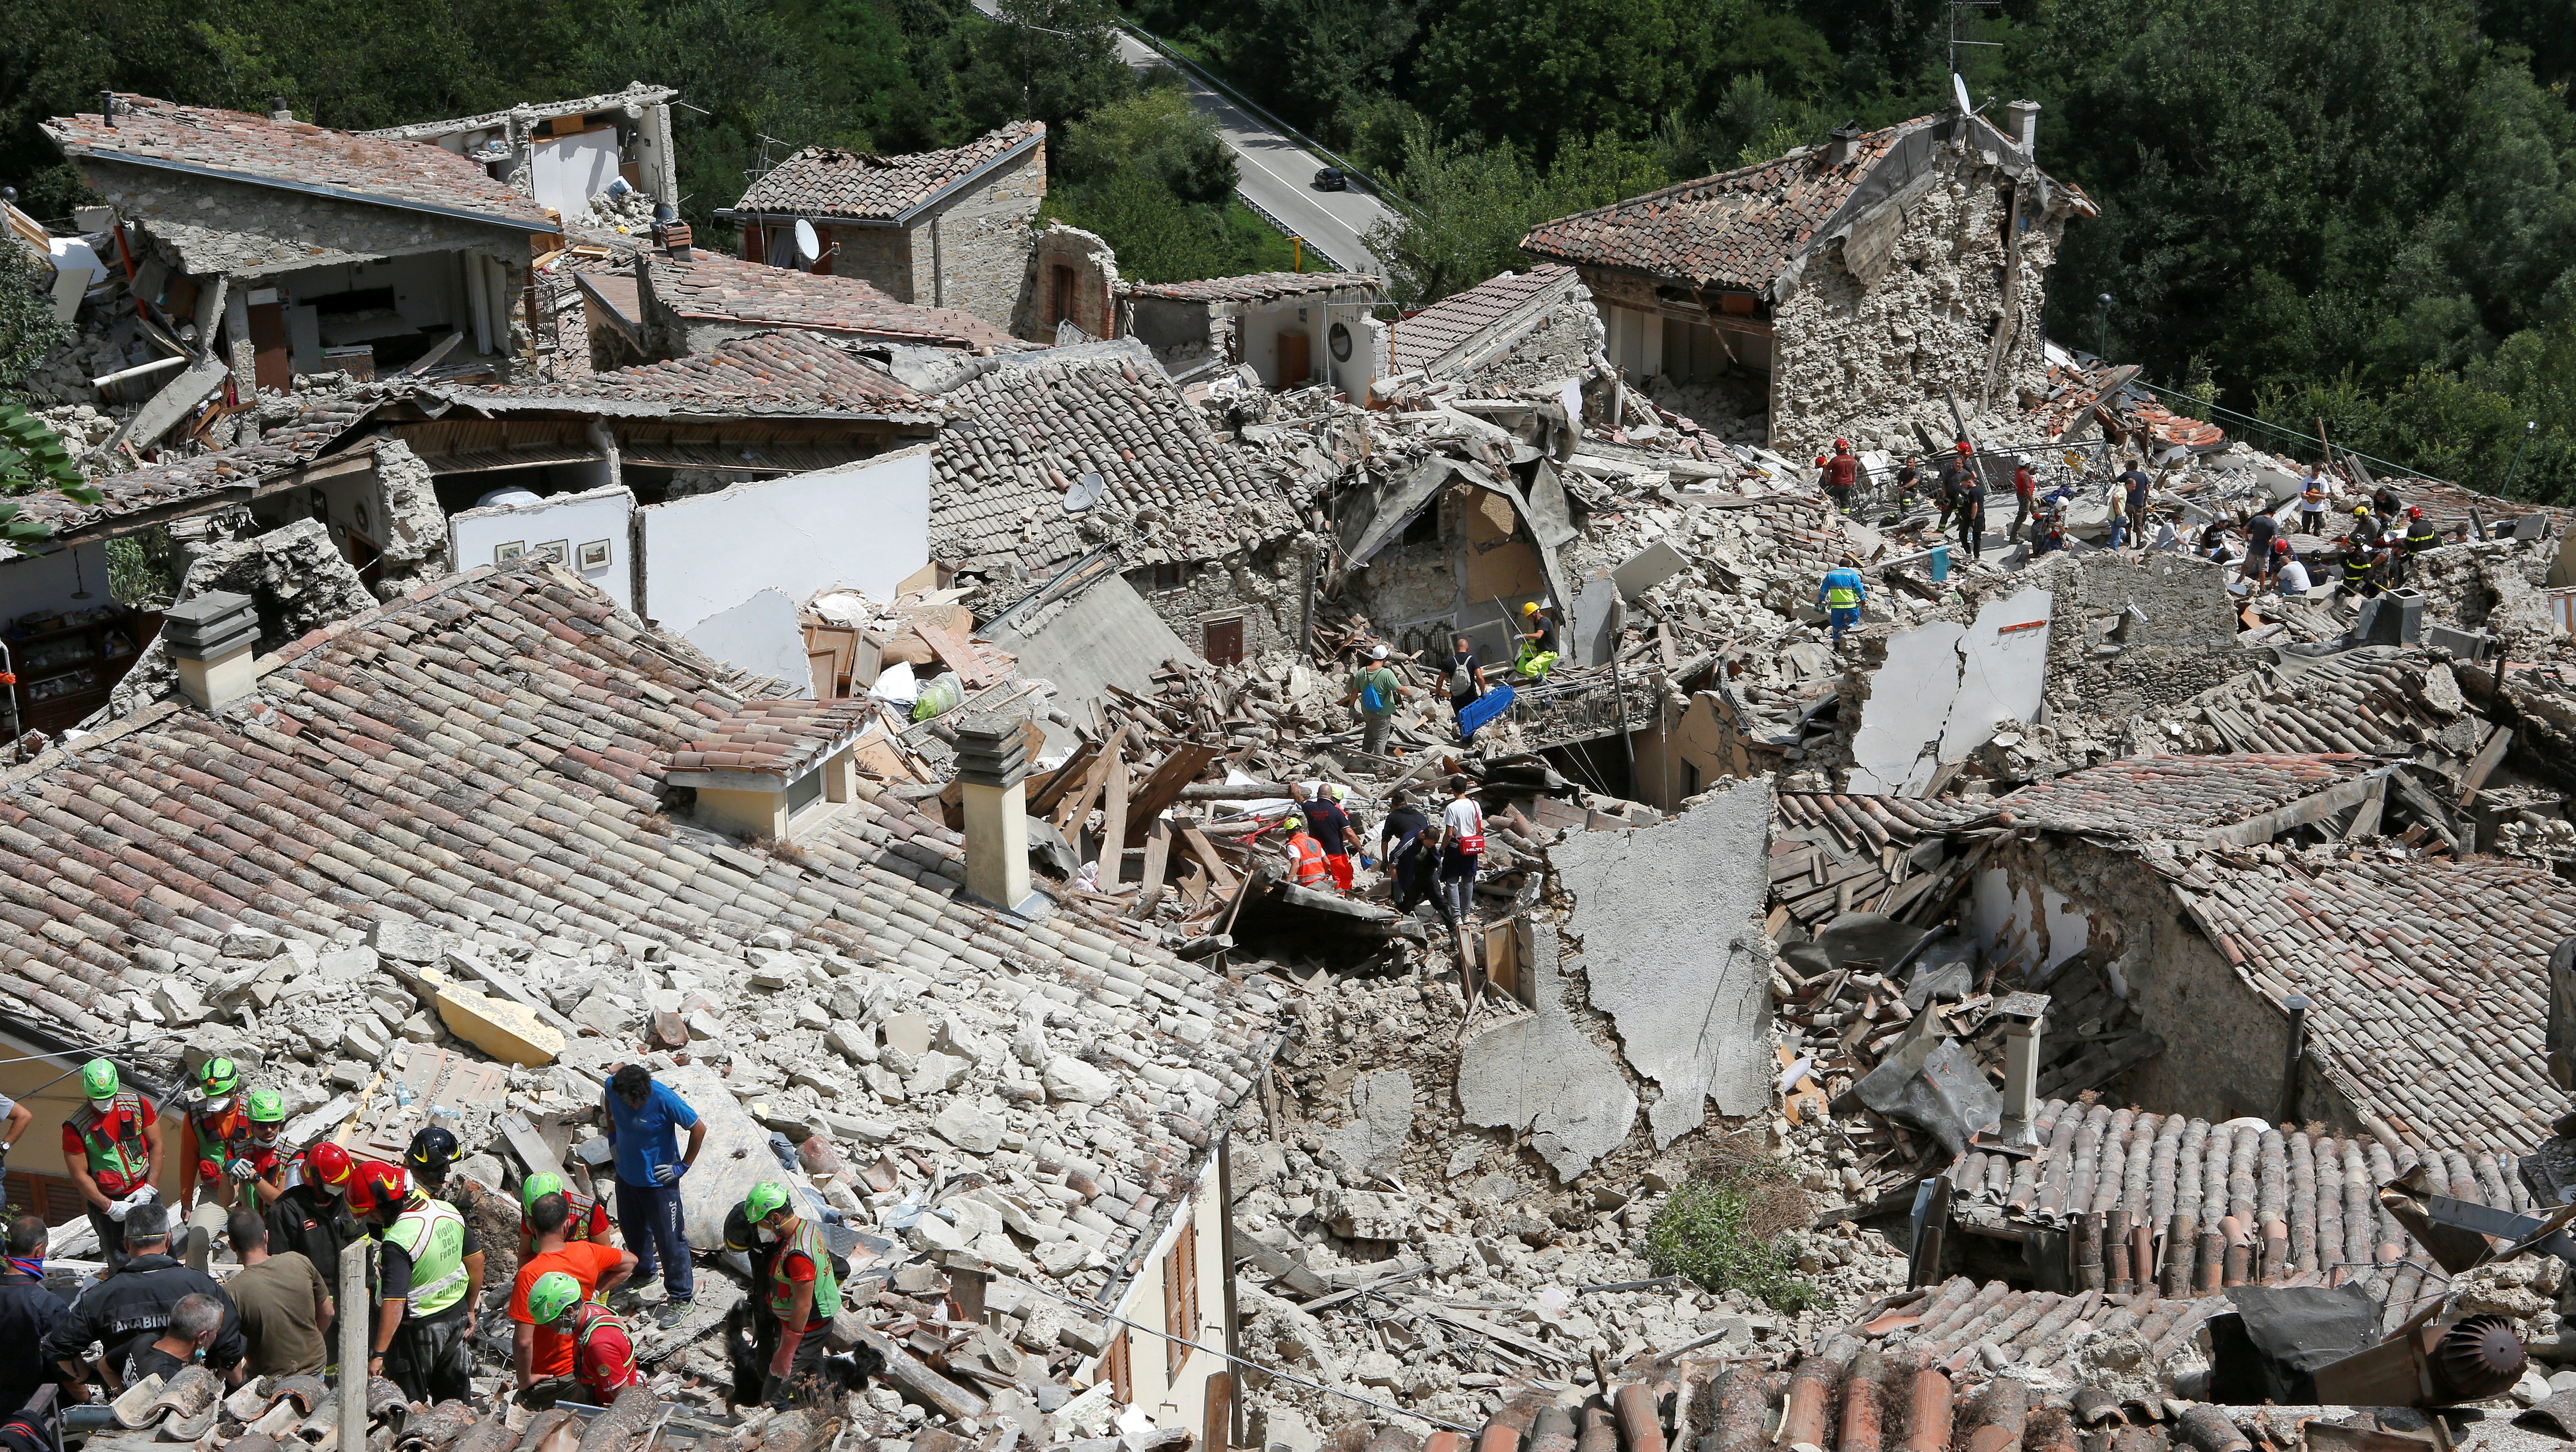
[1180, 333]
[1263, 590]
[46, 581]
[1689, 754]
[1463, 565]
[596, 517]
[1176, 1396]
[1941, 688]
[864, 525]
[1863, 357]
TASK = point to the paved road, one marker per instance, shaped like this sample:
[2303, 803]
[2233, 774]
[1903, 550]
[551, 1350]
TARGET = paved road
[1274, 171]
[1278, 174]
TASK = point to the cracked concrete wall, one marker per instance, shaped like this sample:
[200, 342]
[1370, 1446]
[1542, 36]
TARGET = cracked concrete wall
[1859, 358]
[1670, 922]
[1543, 1076]
[1942, 689]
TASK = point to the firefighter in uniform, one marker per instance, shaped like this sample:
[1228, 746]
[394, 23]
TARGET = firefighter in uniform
[603, 1346]
[585, 1218]
[430, 1280]
[2420, 537]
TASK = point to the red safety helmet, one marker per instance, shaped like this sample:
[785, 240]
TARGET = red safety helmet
[377, 1184]
[330, 1164]
[2280, 546]
[1964, 447]
[1820, 461]
[2414, 511]
[1842, 446]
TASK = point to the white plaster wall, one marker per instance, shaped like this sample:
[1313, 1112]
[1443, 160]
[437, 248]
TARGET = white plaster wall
[863, 525]
[1943, 688]
[2010, 923]
[46, 582]
[576, 519]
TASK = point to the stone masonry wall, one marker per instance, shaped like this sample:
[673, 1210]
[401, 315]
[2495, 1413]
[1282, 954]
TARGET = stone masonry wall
[1863, 361]
[209, 226]
[1559, 346]
[1095, 281]
[2186, 644]
[983, 241]
[1264, 587]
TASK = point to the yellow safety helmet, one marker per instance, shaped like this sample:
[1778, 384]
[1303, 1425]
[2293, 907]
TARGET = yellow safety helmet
[1530, 609]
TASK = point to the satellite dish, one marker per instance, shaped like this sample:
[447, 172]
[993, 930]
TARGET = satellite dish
[810, 247]
[1085, 493]
[1958, 88]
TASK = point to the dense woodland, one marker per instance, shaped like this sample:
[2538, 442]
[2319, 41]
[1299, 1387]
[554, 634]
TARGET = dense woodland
[2311, 209]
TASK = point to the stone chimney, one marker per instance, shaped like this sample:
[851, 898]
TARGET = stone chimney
[1841, 142]
[278, 110]
[992, 777]
[211, 637]
[2022, 1015]
[2025, 124]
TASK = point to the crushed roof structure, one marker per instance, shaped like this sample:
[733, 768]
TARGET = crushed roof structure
[828, 183]
[712, 287]
[158, 491]
[297, 156]
[2175, 797]
[636, 93]
[2427, 981]
[1034, 432]
[2379, 700]
[787, 372]
[1256, 287]
[1428, 338]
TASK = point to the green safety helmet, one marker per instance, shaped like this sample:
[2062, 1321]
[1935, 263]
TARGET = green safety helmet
[766, 1199]
[267, 1106]
[552, 1295]
[219, 1078]
[1293, 823]
[538, 1186]
[98, 1079]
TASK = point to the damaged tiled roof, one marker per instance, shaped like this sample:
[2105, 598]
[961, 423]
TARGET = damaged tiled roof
[2428, 980]
[1805, 532]
[1256, 286]
[2180, 1178]
[825, 181]
[1830, 851]
[486, 756]
[782, 372]
[2377, 700]
[1738, 229]
[2173, 796]
[171, 486]
[711, 285]
[298, 155]
[774, 738]
[1023, 435]
[1424, 338]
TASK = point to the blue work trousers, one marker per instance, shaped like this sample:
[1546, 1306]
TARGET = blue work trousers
[649, 1217]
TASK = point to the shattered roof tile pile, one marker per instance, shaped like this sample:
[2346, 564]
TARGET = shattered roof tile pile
[298, 154]
[727, 289]
[2428, 982]
[2172, 796]
[825, 181]
[1424, 338]
[1738, 229]
[774, 738]
[788, 371]
[2378, 700]
[1256, 286]
[1831, 850]
[1022, 437]
[178, 482]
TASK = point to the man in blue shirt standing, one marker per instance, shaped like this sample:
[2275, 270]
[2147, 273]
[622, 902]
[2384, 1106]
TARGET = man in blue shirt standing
[1840, 595]
[644, 1120]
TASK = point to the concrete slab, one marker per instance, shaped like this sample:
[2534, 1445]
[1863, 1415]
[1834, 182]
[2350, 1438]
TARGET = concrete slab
[2003, 671]
[1670, 921]
[1596, 615]
[1107, 636]
[1381, 1119]
[1944, 686]
[1543, 1076]
[1648, 568]
[735, 1157]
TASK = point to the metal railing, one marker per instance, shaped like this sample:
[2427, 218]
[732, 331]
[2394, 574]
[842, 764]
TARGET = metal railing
[1313, 249]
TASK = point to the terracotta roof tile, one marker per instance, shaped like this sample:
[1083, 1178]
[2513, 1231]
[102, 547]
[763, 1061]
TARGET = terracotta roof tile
[1422, 339]
[825, 181]
[1256, 286]
[711, 285]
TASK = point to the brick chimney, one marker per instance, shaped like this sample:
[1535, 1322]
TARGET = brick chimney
[992, 777]
[211, 637]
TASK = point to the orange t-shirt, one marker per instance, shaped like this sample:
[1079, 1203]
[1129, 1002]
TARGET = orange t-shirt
[585, 1262]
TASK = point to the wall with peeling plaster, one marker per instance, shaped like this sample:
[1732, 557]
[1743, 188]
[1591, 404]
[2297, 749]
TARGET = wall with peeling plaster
[1942, 688]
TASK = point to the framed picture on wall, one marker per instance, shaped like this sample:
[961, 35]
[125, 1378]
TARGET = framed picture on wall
[366, 523]
[502, 554]
[594, 554]
[317, 502]
[557, 550]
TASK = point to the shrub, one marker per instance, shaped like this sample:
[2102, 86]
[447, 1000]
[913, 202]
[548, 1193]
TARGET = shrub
[1726, 1228]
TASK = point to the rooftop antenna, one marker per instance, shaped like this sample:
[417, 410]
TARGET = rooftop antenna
[1955, 6]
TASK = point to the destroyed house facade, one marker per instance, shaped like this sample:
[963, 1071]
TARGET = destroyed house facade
[461, 823]
[563, 154]
[946, 229]
[1859, 287]
[672, 305]
[1291, 329]
[1505, 336]
[271, 249]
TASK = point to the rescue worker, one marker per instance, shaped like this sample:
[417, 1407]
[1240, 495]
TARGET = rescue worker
[2134, 487]
[587, 1217]
[129, 1309]
[311, 1215]
[1957, 478]
[2312, 503]
[1909, 480]
[1330, 823]
[431, 1153]
[2025, 490]
[1404, 845]
[1842, 471]
[112, 1147]
[1972, 524]
[751, 1332]
[803, 1293]
[215, 1157]
[603, 1356]
[2419, 537]
[2385, 504]
[2260, 530]
[1841, 593]
[1377, 691]
[269, 1161]
[2361, 558]
[29, 1310]
[429, 1280]
[1306, 866]
[1538, 642]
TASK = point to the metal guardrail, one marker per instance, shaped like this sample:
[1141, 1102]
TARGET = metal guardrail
[1210, 80]
[1312, 248]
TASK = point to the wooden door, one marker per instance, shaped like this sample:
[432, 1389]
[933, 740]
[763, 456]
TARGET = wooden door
[1296, 363]
[1221, 641]
[270, 364]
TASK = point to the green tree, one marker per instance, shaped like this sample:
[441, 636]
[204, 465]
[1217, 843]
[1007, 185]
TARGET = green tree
[1537, 73]
[1156, 133]
[1052, 60]
[28, 329]
[1473, 203]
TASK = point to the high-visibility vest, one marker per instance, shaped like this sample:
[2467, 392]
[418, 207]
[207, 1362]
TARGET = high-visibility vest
[119, 1163]
[1306, 856]
[807, 1242]
[221, 1138]
[580, 1215]
[589, 1317]
[433, 1235]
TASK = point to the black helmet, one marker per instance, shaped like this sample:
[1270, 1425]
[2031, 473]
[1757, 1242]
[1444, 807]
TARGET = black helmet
[432, 1151]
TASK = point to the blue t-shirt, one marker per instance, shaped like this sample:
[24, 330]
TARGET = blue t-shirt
[648, 1138]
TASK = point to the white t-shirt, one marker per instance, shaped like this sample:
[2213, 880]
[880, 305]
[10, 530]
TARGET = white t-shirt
[2294, 578]
[1463, 818]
